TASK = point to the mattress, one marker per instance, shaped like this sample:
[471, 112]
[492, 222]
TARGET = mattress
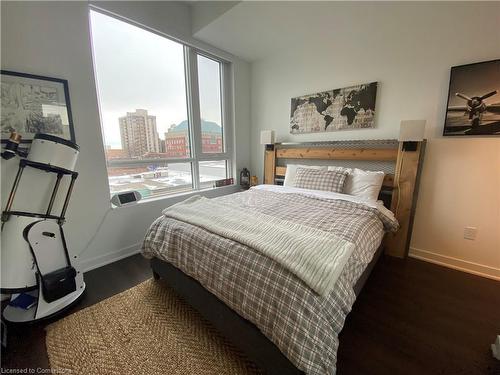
[301, 323]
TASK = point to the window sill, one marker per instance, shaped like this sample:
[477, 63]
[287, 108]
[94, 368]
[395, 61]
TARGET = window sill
[169, 200]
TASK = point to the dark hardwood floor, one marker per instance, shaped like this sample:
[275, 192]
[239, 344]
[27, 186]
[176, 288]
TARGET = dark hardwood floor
[412, 317]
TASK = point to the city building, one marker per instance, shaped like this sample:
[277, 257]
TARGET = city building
[177, 139]
[162, 146]
[211, 137]
[138, 133]
[115, 153]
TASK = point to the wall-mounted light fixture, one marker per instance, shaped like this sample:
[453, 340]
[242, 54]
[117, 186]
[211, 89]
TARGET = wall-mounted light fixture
[411, 132]
[267, 138]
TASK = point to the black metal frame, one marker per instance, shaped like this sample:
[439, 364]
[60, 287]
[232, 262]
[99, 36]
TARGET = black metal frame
[64, 82]
[7, 213]
[48, 168]
[448, 102]
[242, 333]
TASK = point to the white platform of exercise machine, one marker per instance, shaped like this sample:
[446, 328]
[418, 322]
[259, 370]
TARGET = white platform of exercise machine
[43, 309]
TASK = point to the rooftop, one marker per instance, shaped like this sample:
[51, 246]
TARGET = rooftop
[206, 127]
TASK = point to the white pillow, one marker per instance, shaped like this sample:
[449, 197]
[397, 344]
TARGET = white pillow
[366, 184]
[291, 171]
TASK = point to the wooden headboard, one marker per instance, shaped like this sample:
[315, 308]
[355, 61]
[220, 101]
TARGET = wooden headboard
[402, 185]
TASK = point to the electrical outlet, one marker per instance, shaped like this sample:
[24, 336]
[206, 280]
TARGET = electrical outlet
[470, 233]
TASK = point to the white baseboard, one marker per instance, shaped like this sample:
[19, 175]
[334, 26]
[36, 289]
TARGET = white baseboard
[455, 263]
[102, 260]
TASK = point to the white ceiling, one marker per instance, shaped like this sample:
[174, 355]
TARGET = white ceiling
[253, 30]
[205, 12]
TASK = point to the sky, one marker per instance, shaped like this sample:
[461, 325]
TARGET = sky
[136, 69]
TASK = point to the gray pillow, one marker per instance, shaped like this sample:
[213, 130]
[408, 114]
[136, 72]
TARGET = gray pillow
[314, 179]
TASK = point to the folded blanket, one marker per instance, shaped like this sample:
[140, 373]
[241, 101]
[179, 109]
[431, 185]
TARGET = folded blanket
[314, 256]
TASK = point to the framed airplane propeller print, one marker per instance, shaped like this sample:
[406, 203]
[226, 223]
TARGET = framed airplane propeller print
[474, 100]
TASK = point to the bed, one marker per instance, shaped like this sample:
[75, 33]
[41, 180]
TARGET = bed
[285, 318]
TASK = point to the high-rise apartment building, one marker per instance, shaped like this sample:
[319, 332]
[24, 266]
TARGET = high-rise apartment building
[138, 133]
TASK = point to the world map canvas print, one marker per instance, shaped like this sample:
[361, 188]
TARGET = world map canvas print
[340, 109]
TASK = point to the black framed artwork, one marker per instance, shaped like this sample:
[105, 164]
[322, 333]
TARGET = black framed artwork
[35, 104]
[473, 106]
[347, 108]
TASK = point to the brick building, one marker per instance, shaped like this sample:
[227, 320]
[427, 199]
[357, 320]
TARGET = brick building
[177, 139]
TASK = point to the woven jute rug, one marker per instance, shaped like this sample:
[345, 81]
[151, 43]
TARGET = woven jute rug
[144, 330]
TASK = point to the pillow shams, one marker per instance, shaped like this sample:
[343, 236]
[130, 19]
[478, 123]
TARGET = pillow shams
[361, 183]
[313, 179]
[291, 170]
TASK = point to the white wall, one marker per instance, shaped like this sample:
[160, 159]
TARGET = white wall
[52, 39]
[408, 49]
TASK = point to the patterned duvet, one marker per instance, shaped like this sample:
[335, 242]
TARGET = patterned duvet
[302, 324]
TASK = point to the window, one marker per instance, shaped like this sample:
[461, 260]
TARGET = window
[211, 171]
[162, 110]
[210, 104]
